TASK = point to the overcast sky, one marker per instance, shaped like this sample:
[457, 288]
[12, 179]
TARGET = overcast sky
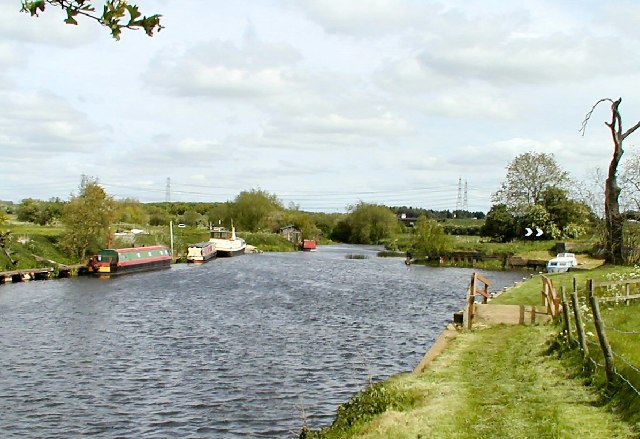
[323, 103]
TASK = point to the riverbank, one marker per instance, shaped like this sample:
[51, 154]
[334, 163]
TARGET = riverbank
[502, 381]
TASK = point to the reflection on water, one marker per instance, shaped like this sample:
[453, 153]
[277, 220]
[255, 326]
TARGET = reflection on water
[237, 347]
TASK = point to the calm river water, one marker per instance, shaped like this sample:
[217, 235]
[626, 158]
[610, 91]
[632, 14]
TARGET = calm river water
[240, 347]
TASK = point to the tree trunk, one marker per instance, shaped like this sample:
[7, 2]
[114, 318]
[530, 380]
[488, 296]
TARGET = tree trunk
[613, 218]
[614, 223]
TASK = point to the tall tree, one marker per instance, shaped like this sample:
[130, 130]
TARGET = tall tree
[528, 175]
[564, 211]
[430, 237]
[250, 209]
[367, 224]
[614, 221]
[88, 218]
[116, 14]
[131, 211]
[39, 212]
[500, 224]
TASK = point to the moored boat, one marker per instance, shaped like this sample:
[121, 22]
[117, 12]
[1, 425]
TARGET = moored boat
[308, 245]
[201, 252]
[562, 263]
[129, 260]
[226, 242]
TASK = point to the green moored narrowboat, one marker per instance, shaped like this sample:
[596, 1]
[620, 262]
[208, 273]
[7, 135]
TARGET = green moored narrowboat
[129, 260]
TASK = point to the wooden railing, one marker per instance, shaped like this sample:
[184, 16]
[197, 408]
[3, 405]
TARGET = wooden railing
[474, 288]
[550, 297]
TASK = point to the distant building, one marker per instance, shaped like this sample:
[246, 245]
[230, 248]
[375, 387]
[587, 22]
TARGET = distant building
[291, 234]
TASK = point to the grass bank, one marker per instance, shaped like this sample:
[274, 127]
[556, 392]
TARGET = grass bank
[501, 382]
[28, 242]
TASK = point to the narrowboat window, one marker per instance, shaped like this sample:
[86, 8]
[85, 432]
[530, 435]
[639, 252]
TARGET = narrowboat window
[150, 254]
[139, 255]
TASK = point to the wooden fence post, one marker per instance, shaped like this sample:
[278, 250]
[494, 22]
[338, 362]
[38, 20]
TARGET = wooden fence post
[471, 301]
[544, 291]
[582, 338]
[590, 289]
[627, 291]
[604, 343]
[565, 315]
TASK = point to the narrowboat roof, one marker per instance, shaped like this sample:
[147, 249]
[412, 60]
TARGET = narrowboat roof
[135, 249]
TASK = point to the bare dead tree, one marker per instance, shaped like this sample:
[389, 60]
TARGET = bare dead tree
[614, 222]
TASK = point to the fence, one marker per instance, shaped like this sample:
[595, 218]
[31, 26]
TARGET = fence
[583, 313]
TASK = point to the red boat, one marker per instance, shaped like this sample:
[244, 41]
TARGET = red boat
[308, 245]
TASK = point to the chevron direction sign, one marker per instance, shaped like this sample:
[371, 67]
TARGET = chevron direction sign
[530, 232]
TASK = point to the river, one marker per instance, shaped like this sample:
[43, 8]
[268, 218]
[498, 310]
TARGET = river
[252, 346]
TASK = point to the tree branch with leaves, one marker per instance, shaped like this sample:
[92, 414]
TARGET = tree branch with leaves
[116, 14]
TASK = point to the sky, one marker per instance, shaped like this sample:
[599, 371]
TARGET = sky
[323, 103]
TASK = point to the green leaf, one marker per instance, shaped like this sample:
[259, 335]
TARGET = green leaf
[133, 12]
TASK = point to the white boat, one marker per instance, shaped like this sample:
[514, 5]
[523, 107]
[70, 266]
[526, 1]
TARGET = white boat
[562, 263]
[201, 252]
[226, 241]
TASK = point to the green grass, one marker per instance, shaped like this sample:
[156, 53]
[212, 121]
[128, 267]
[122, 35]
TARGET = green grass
[497, 383]
[27, 243]
[529, 293]
[622, 331]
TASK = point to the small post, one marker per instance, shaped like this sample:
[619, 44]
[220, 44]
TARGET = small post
[604, 343]
[565, 314]
[171, 233]
[471, 301]
[627, 290]
[582, 338]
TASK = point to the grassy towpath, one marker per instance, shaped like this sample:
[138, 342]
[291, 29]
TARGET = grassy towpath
[494, 383]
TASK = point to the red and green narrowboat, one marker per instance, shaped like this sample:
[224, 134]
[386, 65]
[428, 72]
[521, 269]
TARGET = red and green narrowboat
[129, 260]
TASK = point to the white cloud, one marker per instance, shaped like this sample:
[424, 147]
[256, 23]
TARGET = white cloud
[42, 121]
[48, 28]
[365, 18]
[223, 70]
